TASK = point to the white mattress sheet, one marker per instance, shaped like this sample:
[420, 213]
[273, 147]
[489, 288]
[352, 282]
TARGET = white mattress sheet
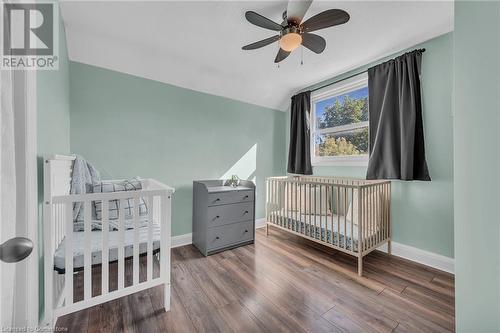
[96, 246]
[336, 222]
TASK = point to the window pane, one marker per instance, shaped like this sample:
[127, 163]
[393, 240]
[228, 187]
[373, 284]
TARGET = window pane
[351, 107]
[343, 143]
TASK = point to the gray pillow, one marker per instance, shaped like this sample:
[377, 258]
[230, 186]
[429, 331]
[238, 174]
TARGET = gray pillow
[114, 205]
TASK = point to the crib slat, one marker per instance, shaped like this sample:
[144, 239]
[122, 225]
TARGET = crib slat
[332, 240]
[105, 247]
[363, 218]
[150, 238]
[360, 220]
[384, 218]
[338, 216]
[352, 218]
[135, 260]
[68, 276]
[374, 210]
[320, 214]
[295, 196]
[310, 209]
[290, 211]
[345, 218]
[377, 214]
[372, 215]
[276, 195]
[87, 257]
[299, 224]
[272, 202]
[121, 243]
[315, 192]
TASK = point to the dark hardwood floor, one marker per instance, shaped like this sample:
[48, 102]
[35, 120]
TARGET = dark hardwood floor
[282, 284]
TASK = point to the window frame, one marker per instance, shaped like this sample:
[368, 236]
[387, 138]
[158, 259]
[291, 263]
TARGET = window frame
[334, 90]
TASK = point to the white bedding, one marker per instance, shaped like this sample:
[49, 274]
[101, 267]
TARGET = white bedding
[325, 222]
[96, 243]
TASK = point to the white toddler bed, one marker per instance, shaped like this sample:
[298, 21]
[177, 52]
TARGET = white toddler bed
[67, 251]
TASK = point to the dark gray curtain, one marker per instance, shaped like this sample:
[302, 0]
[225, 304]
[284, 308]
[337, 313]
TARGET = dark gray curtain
[396, 130]
[299, 153]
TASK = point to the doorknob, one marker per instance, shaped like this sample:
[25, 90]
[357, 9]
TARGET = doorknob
[15, 249]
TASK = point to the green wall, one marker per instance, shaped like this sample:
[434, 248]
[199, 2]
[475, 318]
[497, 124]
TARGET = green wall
[53, 127]
[477, 163]
[129, 126]
[422, 212]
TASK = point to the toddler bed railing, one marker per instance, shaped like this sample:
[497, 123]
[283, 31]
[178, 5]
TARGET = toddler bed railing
[349, 215]
[100, 248]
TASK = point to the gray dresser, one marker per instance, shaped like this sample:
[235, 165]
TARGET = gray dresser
[223, 216]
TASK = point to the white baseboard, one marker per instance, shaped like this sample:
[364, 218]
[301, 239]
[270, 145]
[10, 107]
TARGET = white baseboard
[421, 256]
[182, 240]
[260, 223]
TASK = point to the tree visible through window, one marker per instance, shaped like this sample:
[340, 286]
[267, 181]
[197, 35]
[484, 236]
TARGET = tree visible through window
[341, 122]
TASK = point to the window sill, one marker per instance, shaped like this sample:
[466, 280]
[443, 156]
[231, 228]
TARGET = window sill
[341, 161]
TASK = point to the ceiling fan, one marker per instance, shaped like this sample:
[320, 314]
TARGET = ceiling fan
[293, 32]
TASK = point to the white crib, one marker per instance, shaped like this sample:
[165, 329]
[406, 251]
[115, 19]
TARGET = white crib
[350, 215]
[97, 247]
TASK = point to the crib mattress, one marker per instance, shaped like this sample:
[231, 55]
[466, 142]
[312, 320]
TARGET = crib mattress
[333, 233]
[96, 246]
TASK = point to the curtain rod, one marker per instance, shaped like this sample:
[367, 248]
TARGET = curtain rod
[356, 74]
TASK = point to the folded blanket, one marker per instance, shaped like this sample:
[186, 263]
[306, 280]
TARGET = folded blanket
[84, 174]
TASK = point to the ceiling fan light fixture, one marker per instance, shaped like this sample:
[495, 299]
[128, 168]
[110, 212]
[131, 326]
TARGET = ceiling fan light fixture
[290, 41]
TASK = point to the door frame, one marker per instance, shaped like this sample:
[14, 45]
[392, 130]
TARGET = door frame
[31, 193]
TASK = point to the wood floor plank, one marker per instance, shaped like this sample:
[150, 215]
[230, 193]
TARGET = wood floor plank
[177, 319]
[240, 319]
[106, 317]
[282, 296]
[198, 306]
[344, 322]
[74, 322]
[282, 283]
[206, 279]
[260, 305]
[431, 299]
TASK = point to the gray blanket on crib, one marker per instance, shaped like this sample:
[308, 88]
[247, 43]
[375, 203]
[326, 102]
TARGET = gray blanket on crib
[83, 174]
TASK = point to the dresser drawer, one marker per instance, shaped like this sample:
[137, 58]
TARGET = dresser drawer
[229, 235]
[226, 214]
[223, 198]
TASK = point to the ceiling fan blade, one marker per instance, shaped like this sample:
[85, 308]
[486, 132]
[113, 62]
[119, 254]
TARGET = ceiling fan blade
[261, 43]
[328, 18]
[262, 21]
[313, 42]
[296, 10]
[281, 55]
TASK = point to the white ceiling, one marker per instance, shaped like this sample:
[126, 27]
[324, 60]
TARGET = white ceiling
[197, 45]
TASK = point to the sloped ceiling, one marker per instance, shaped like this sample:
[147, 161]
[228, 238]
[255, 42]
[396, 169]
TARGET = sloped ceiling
[197, 45]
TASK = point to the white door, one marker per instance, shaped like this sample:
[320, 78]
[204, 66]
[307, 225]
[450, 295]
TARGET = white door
[18, 215]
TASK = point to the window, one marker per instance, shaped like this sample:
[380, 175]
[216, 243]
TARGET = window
[339, 129]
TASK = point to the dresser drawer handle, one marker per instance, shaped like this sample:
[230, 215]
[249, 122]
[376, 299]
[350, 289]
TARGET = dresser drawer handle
[217, 237]
[217, 217]
[245, 197]
[246, 230]
[246, 212]
[218, 199]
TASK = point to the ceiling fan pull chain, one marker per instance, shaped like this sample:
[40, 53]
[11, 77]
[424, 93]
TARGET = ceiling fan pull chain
[301, 55]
